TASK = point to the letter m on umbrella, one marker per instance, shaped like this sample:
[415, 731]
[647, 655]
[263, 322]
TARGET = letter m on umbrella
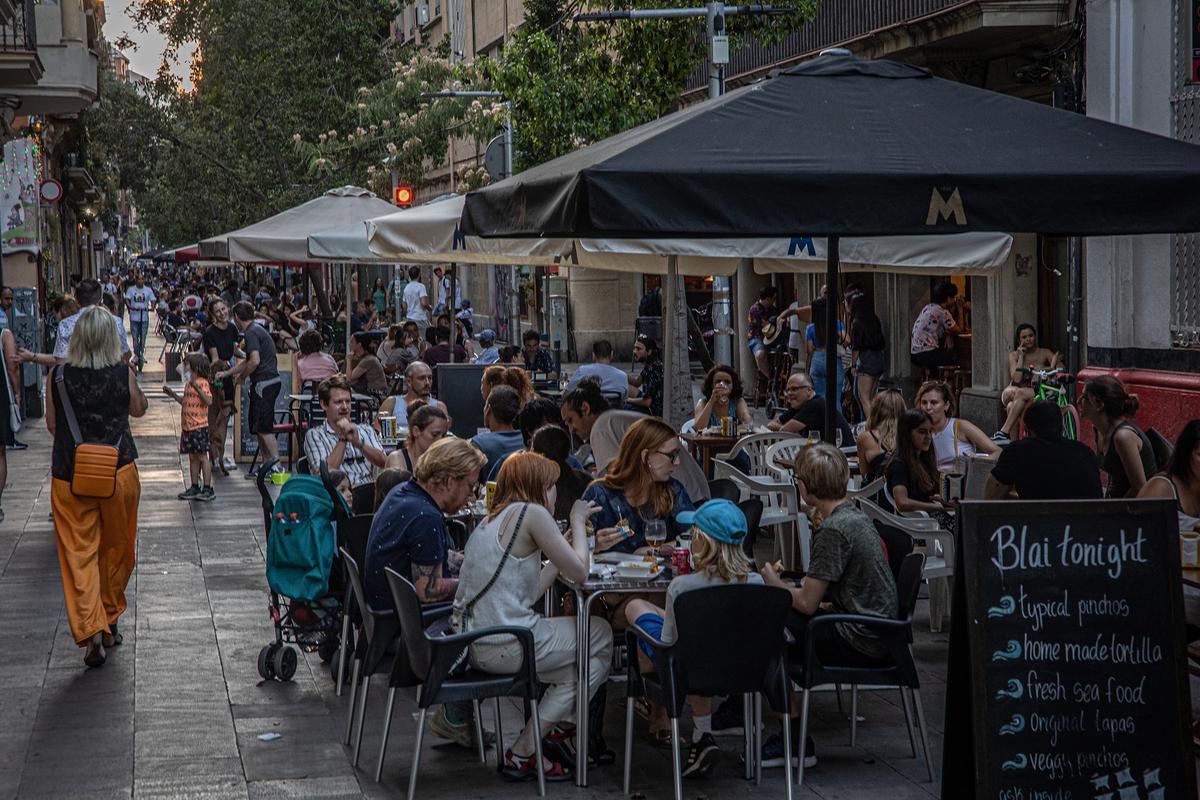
[942, 208]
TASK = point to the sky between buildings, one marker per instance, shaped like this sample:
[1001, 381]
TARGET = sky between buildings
[148, 54]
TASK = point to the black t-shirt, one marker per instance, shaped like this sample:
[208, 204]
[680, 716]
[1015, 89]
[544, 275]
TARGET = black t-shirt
[898, 474]
[100, 400]
[811, 416]
[224, 340]
[1053, 468]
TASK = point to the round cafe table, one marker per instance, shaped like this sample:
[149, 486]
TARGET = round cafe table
[704, 446]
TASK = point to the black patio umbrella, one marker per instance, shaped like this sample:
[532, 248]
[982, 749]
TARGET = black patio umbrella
[840, 146]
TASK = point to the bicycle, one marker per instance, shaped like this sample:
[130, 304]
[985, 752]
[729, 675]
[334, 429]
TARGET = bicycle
[1049, 387]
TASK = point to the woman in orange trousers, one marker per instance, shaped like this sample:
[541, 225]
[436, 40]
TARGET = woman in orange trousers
[95, 535]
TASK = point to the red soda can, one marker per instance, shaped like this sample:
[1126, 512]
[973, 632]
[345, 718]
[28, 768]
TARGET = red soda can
[680, 562]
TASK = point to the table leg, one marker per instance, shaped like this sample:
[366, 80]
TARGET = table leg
[582, 721]
[581, 706]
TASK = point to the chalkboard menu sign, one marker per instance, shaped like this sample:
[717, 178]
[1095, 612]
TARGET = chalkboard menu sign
[1076, 659]
[458, 388]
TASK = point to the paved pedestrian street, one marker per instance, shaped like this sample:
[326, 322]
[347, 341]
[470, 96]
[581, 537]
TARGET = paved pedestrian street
[178, 709]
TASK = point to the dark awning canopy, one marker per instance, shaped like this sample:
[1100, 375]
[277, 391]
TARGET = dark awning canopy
[843, 146]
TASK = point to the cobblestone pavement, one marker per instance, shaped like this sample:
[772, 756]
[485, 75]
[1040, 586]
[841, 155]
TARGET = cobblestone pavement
[177, 709]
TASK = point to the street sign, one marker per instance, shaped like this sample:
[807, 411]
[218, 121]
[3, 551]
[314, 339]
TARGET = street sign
[51, 191]
[493, 158]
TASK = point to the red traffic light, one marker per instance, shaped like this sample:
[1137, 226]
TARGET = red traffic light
[402, 195]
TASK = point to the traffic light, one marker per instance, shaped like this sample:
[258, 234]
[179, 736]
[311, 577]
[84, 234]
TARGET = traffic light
[402, 196]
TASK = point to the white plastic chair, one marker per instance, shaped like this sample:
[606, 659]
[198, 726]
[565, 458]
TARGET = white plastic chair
[937, 545]
[887, 493]
[688, 426]
[868, 492]
[755, 447]
[781, 509]
[785, 450]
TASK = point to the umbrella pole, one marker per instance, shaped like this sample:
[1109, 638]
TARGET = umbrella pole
[347, 307]
[832, 264]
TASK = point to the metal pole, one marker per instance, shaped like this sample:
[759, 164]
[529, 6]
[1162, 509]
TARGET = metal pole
[832, 264]
[1074, 310]
[451, 295]
[668, 339]
[508, 139]
[723, 335]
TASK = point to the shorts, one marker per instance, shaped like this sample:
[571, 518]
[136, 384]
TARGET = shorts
[262, 409]
[755, 344]
[870, 362]
[195, 441]
[653, 625]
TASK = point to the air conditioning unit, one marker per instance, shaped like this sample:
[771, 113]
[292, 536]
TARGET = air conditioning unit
[423, 14]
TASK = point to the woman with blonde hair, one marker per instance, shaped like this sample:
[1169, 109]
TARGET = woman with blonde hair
[718, 530]
[638, 487]
[501, 580]
[878, 437]
[89, 400]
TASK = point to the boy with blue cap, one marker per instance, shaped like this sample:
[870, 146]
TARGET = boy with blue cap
[718, 529]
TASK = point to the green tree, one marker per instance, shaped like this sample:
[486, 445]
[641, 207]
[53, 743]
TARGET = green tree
[264, 71]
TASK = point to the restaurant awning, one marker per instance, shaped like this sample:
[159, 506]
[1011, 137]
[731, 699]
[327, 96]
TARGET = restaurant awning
[432, 233]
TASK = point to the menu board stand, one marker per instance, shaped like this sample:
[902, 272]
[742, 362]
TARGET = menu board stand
[1067, 674]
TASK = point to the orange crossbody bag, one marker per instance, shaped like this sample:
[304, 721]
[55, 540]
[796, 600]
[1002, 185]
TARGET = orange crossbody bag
[95, 473]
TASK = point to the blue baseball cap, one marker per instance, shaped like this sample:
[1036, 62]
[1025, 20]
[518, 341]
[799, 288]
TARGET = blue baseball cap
[719, 519]
[487, 335]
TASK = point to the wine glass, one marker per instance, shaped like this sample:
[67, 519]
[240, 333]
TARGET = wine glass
[655, 531]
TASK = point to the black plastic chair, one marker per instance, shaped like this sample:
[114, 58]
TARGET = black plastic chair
[731, 641]
[724, 489]
[432, 659]
[377, 634]
[898, 670]
[752, 508]
[352, 532]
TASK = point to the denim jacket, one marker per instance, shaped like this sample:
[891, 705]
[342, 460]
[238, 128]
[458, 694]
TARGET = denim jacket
[614, 506]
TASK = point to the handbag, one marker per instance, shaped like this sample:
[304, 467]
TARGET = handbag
[460, 617]
[14, 413]
[95, 473]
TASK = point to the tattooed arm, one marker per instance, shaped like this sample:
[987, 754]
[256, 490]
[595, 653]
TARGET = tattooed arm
[431, 586]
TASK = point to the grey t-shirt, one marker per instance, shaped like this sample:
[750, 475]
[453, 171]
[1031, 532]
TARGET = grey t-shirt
[257, 339]
[686, 583]
[847, 552]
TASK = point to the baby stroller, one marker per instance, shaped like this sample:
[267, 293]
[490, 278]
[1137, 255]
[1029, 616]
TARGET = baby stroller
[301, 549]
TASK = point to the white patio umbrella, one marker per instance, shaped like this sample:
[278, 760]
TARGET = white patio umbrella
[283, 238]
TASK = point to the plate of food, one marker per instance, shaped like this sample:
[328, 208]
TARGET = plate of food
[611, 557]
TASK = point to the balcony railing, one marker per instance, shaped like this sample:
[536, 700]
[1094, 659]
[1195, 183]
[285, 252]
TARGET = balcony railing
[19, 35]
[837, 21]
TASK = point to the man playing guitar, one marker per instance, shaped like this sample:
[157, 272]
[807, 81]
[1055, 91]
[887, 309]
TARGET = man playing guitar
[764, 329]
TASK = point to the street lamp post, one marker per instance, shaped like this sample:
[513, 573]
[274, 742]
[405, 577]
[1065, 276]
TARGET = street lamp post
[514, 299]
[675, 347]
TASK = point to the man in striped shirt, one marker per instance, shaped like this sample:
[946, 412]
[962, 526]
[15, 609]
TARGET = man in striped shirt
[344, 445]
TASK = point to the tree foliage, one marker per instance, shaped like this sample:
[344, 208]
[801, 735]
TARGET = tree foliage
[265, 70]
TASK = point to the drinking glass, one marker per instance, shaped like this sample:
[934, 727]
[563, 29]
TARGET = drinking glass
[655, 531]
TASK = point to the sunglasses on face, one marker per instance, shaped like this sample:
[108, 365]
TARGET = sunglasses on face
[673, 455]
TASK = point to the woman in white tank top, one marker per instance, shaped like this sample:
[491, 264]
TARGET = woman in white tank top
[952, 437]
[501, 579]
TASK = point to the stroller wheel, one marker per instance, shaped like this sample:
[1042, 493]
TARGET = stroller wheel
[266, 669]
[327, 649]
[284, 663]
